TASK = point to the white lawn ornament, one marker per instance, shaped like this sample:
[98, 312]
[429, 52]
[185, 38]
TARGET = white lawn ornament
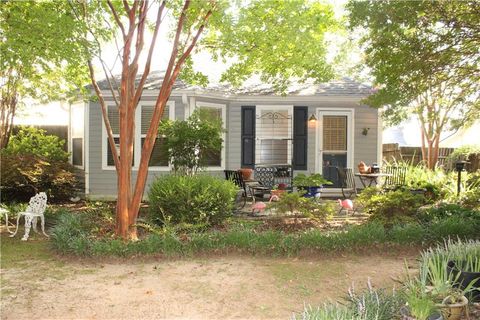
[36, 208]
[5, 212]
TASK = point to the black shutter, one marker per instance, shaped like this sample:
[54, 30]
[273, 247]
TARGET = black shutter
[248, 136]
[300, 137]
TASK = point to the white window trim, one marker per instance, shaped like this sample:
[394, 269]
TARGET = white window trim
[350, 113]
[139, 135]
[71, 136]
[137, 139]
[223, 107]
[289, 109]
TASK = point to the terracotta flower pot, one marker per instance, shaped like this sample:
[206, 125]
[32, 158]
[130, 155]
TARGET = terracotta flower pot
[246, 173]
[278, 192]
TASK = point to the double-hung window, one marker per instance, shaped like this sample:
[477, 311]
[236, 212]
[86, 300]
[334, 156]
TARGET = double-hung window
[143, 116]
[114, 119]
[159, 158]
[77, 133]
[214, 159]
[273, 135]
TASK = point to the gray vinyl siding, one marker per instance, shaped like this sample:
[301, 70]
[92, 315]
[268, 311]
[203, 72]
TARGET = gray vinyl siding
[103, 183]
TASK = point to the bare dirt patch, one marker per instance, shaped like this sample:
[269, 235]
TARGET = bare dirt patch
[202, 288]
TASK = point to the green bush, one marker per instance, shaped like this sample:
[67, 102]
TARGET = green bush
[191, 199]
[71, 234]
[446, 210]
[393, 207]
[185, 138]
[34, 162]
[33, 141]
[23, 175]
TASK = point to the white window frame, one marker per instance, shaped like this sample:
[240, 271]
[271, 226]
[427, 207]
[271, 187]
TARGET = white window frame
[350, 114]
[258, 137]
[139, 135]
[82, 106]
[223, 107]
[137, 139]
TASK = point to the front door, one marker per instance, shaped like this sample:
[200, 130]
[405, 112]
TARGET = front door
[335, 143]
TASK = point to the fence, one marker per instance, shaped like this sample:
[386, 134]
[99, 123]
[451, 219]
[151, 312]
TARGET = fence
[413, 155]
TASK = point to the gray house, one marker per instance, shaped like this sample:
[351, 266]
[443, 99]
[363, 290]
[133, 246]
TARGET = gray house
[313, 128]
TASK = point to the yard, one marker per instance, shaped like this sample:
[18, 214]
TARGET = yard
[36, 283]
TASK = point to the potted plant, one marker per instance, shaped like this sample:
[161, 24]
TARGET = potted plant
[454, 306]
[312, 184]
[279, 189]
[246, 173]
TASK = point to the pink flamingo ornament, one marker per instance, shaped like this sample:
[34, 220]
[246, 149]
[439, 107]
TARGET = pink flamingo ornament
[260, 206]
[346, 204]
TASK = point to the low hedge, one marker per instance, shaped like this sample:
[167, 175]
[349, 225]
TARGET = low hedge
[199, 199]
[68, 237]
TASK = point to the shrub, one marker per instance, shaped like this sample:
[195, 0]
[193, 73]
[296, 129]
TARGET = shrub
[191, 199]
[398, 206]
[33, 141]
[71, 234]
[34, 162]
[23, 175]
[300, 206]
[446, 210]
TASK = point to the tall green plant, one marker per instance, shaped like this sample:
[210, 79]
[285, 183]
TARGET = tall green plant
[34, 141]
[187, 141]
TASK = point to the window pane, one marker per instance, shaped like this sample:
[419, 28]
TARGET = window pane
[272, 151]
[147, 113]
[274, 136]
[77, 151]
[211, 157]
[334, 133]
[159, 154]
[114, 119]
[110, 161]
[274, 123]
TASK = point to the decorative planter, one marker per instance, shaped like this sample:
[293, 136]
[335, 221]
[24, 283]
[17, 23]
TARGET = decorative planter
[277, 192]
[246, 173]
[312, 192]
[464, 279]
[454, 311]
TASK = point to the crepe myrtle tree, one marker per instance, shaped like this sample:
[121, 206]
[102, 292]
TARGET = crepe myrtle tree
[277, 40]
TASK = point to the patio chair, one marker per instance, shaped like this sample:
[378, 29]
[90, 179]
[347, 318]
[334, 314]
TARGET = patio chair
[397, 178]
[237, 178]
[265, 181]
[36, 209]
[347, 182]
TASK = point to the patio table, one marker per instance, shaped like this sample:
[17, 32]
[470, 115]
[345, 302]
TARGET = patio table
[367, 179]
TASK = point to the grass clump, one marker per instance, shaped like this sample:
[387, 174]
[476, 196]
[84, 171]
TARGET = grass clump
[81, 234]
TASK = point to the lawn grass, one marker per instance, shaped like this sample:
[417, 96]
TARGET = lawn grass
[16, 253]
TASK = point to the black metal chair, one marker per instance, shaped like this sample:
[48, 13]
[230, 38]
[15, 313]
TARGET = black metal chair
[396, 179]
[347, 182]
[237, 178]
[265, 181]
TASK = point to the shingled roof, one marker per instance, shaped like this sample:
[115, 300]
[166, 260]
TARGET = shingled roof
[342, 87]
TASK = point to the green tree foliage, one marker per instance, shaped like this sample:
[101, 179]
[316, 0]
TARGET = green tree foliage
[277, 40]
[425, 59]
[185, 140]
[33, 141]
[35, 162]
[42, 55]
